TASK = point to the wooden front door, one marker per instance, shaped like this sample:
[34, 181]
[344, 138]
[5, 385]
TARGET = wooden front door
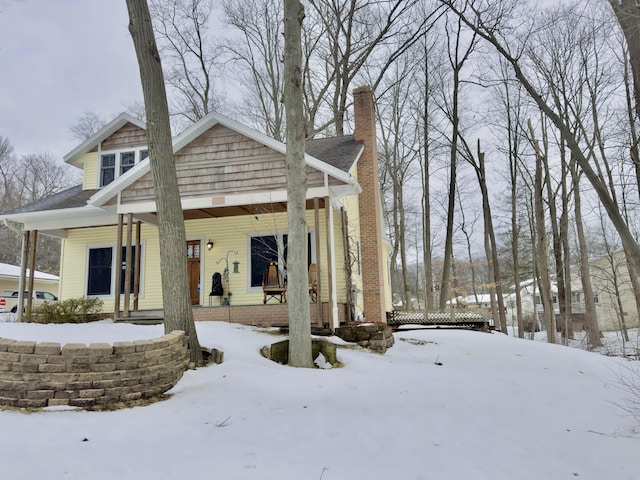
[193, 270]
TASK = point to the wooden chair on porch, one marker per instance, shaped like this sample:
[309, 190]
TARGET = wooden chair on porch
[313, 282]
[272, 284]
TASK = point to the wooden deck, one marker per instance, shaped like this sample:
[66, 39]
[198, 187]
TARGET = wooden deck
[456, 318]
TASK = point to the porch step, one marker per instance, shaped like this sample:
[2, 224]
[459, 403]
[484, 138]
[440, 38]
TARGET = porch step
[143, 317]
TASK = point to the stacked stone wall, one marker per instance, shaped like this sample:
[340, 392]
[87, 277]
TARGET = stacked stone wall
[369, 335]
[36, 375]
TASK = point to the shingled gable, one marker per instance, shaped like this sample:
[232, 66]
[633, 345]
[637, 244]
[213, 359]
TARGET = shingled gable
[335, 158]
[104, 133]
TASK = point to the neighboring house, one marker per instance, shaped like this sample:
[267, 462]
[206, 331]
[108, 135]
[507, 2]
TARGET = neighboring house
[612, 293]
[531, 302]
[233, 189]
[10, 279]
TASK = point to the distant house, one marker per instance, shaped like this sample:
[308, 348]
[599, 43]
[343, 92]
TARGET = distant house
[233, 191]
[10, 279]
[612, 292]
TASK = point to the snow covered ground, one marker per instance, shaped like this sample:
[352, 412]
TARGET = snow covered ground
[441, 404]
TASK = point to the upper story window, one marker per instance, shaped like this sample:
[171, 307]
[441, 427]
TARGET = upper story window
[114, 164]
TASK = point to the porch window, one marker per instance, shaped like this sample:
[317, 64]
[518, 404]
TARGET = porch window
[101, 270]
[271, 248]
[99, 275]
[264, 249]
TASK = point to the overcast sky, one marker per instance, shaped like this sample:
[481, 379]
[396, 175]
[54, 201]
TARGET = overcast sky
[57, 59]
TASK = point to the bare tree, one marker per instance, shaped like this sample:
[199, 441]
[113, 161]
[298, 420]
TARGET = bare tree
[298, 301]
[190, 54]
[459, 52]
[489, 24]
[259, 61]
[178, 314]
[86, 125]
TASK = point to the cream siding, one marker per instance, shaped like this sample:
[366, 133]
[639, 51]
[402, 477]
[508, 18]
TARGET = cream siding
[229, 234]
[89, 164]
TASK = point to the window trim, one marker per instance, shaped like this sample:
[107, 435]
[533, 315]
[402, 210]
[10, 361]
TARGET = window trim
[112, 284]
[118, 161]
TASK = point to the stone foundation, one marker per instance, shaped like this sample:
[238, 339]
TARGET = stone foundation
[35, 375]
[377, 337]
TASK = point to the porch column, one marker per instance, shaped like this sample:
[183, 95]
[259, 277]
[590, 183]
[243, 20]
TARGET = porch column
[127, 270]
[136, 269]
[116, 303]
[334, 320]
[32, 269]
[24, 258]
[316, 219]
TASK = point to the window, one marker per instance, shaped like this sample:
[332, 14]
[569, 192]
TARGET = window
[107, 169]
[538, 300]
[114, 164]
[99, 275]
[101, 270]
[596, 299]
[127, 160]
[265, 249]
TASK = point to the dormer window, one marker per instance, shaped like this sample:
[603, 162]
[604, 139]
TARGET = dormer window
[114, 164]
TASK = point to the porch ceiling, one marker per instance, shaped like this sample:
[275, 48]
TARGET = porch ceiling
[240, 210]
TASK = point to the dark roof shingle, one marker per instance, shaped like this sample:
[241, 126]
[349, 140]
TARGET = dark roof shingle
[340, 152]
[70, 198]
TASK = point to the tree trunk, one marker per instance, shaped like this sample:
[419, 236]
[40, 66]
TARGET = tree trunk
[542, 249]
[491, 236]
[628, 14]
[298, 295]
[178, 314]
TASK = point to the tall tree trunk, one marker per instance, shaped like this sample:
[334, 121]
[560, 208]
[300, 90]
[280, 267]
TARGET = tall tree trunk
[566, 250]
[591, 320]
[453, 158]
[556, 239]
[488, 225]
[298, 300]
[178, 314]
[542, 250]
[426, 189]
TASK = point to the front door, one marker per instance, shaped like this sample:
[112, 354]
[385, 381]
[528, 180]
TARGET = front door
[193, 270]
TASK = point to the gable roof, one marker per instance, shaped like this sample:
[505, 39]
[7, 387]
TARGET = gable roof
[336, 163]
[105, 132]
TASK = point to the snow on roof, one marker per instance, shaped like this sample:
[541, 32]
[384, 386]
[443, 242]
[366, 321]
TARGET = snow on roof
[7, 270]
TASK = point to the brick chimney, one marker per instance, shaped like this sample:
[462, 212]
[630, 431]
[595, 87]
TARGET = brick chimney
[370, 207]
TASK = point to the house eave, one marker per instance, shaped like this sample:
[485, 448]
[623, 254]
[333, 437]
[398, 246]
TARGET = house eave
[106, 131]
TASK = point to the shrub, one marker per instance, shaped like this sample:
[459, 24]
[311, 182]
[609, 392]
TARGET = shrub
[71, 310]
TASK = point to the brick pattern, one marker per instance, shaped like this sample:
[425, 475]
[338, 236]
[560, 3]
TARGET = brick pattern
[268, 315]
[370, 207]
[35, 375]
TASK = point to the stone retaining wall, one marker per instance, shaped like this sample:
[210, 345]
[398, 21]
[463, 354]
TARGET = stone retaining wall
[45, 374]
[375, 336]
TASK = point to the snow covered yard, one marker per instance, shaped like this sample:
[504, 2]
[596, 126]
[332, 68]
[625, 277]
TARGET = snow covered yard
[496, 408]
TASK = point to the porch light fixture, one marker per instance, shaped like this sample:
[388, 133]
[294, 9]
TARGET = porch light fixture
[209, 244]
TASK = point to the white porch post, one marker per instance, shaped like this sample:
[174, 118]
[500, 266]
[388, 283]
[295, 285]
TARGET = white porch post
[334, 320]
[24, 255]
